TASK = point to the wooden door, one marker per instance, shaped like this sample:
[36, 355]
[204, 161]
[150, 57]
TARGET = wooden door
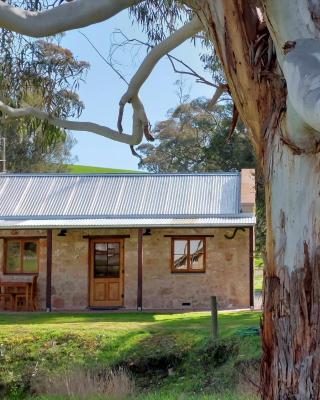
[106, 273]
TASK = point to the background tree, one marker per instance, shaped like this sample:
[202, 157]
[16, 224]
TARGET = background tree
[195, 138]
[269, 50]
[45, 75]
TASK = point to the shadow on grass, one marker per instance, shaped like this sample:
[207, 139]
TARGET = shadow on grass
[135, 317]
[229, 322]
[69, 318]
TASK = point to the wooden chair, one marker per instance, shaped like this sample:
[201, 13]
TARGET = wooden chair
[6, 298]
[20, 299]
[3, 299]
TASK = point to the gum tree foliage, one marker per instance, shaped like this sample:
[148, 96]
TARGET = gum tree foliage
[194, 138]
[269, 51]
[43, 74]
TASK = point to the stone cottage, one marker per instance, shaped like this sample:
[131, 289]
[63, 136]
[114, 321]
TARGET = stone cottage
[132, 241]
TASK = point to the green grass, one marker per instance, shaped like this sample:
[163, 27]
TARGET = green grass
[258, 280]
[84, 169]
[258, 273]
[258, 262]
[38, 343]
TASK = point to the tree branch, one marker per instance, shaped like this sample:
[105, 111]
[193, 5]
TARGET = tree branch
[67, 16]
[134, 42]
[217, 94]
[142, 114]
[80, 13]
[109, 63]
[190, 71]
[139, 119]
[235, 118]
[157, 52]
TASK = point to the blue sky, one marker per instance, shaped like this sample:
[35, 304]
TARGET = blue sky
[103, 89]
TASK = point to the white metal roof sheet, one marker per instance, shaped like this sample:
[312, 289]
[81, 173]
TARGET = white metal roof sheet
[113, 196]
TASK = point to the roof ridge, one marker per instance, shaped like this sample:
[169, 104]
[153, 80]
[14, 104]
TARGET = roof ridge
[125, 216]
[133, 174]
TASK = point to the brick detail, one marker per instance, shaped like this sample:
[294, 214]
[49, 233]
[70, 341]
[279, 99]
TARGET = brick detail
[248, 190]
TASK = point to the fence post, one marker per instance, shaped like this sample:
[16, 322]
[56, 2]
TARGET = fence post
[214, 317]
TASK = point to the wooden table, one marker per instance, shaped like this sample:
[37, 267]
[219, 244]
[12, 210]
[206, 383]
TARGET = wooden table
[16, 288]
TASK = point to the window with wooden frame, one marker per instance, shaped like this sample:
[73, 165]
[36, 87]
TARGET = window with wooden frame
[21, 256]
[188, 254]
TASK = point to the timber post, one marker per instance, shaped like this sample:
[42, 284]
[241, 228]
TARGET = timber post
[140, 261]
[214, 316]
[49, 271]
[251, 267]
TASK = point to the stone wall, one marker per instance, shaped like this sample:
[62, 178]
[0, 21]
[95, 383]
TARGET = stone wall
[70, 269]
[226, 276]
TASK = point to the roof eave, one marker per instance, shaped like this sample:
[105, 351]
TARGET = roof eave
[95, 224]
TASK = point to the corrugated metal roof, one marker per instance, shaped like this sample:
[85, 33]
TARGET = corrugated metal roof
[114, 196]
[242, 220]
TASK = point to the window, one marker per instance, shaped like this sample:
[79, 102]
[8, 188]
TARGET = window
[188, 254]
[21, 256]
[107, 260]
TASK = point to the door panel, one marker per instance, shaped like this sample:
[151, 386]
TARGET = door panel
[99, 291]
[106, 273]
[114, 291]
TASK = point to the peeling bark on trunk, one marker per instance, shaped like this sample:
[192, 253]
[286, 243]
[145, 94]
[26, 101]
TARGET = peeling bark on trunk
[291, 361]
[291, 322]
[290, 163]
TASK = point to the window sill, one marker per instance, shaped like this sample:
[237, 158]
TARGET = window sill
[20, 273]
[188, 272]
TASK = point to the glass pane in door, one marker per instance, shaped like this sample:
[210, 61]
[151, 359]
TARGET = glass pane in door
[107, 260]
[100, 260]
[113, 260]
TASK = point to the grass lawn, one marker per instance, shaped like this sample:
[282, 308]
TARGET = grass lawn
[258, 274]
[147, 344]
[258, 280]
[84, 169]
[258, 262]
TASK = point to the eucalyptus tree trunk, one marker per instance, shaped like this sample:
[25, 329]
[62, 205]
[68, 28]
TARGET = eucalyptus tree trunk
[270, 68]
[291, 321]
